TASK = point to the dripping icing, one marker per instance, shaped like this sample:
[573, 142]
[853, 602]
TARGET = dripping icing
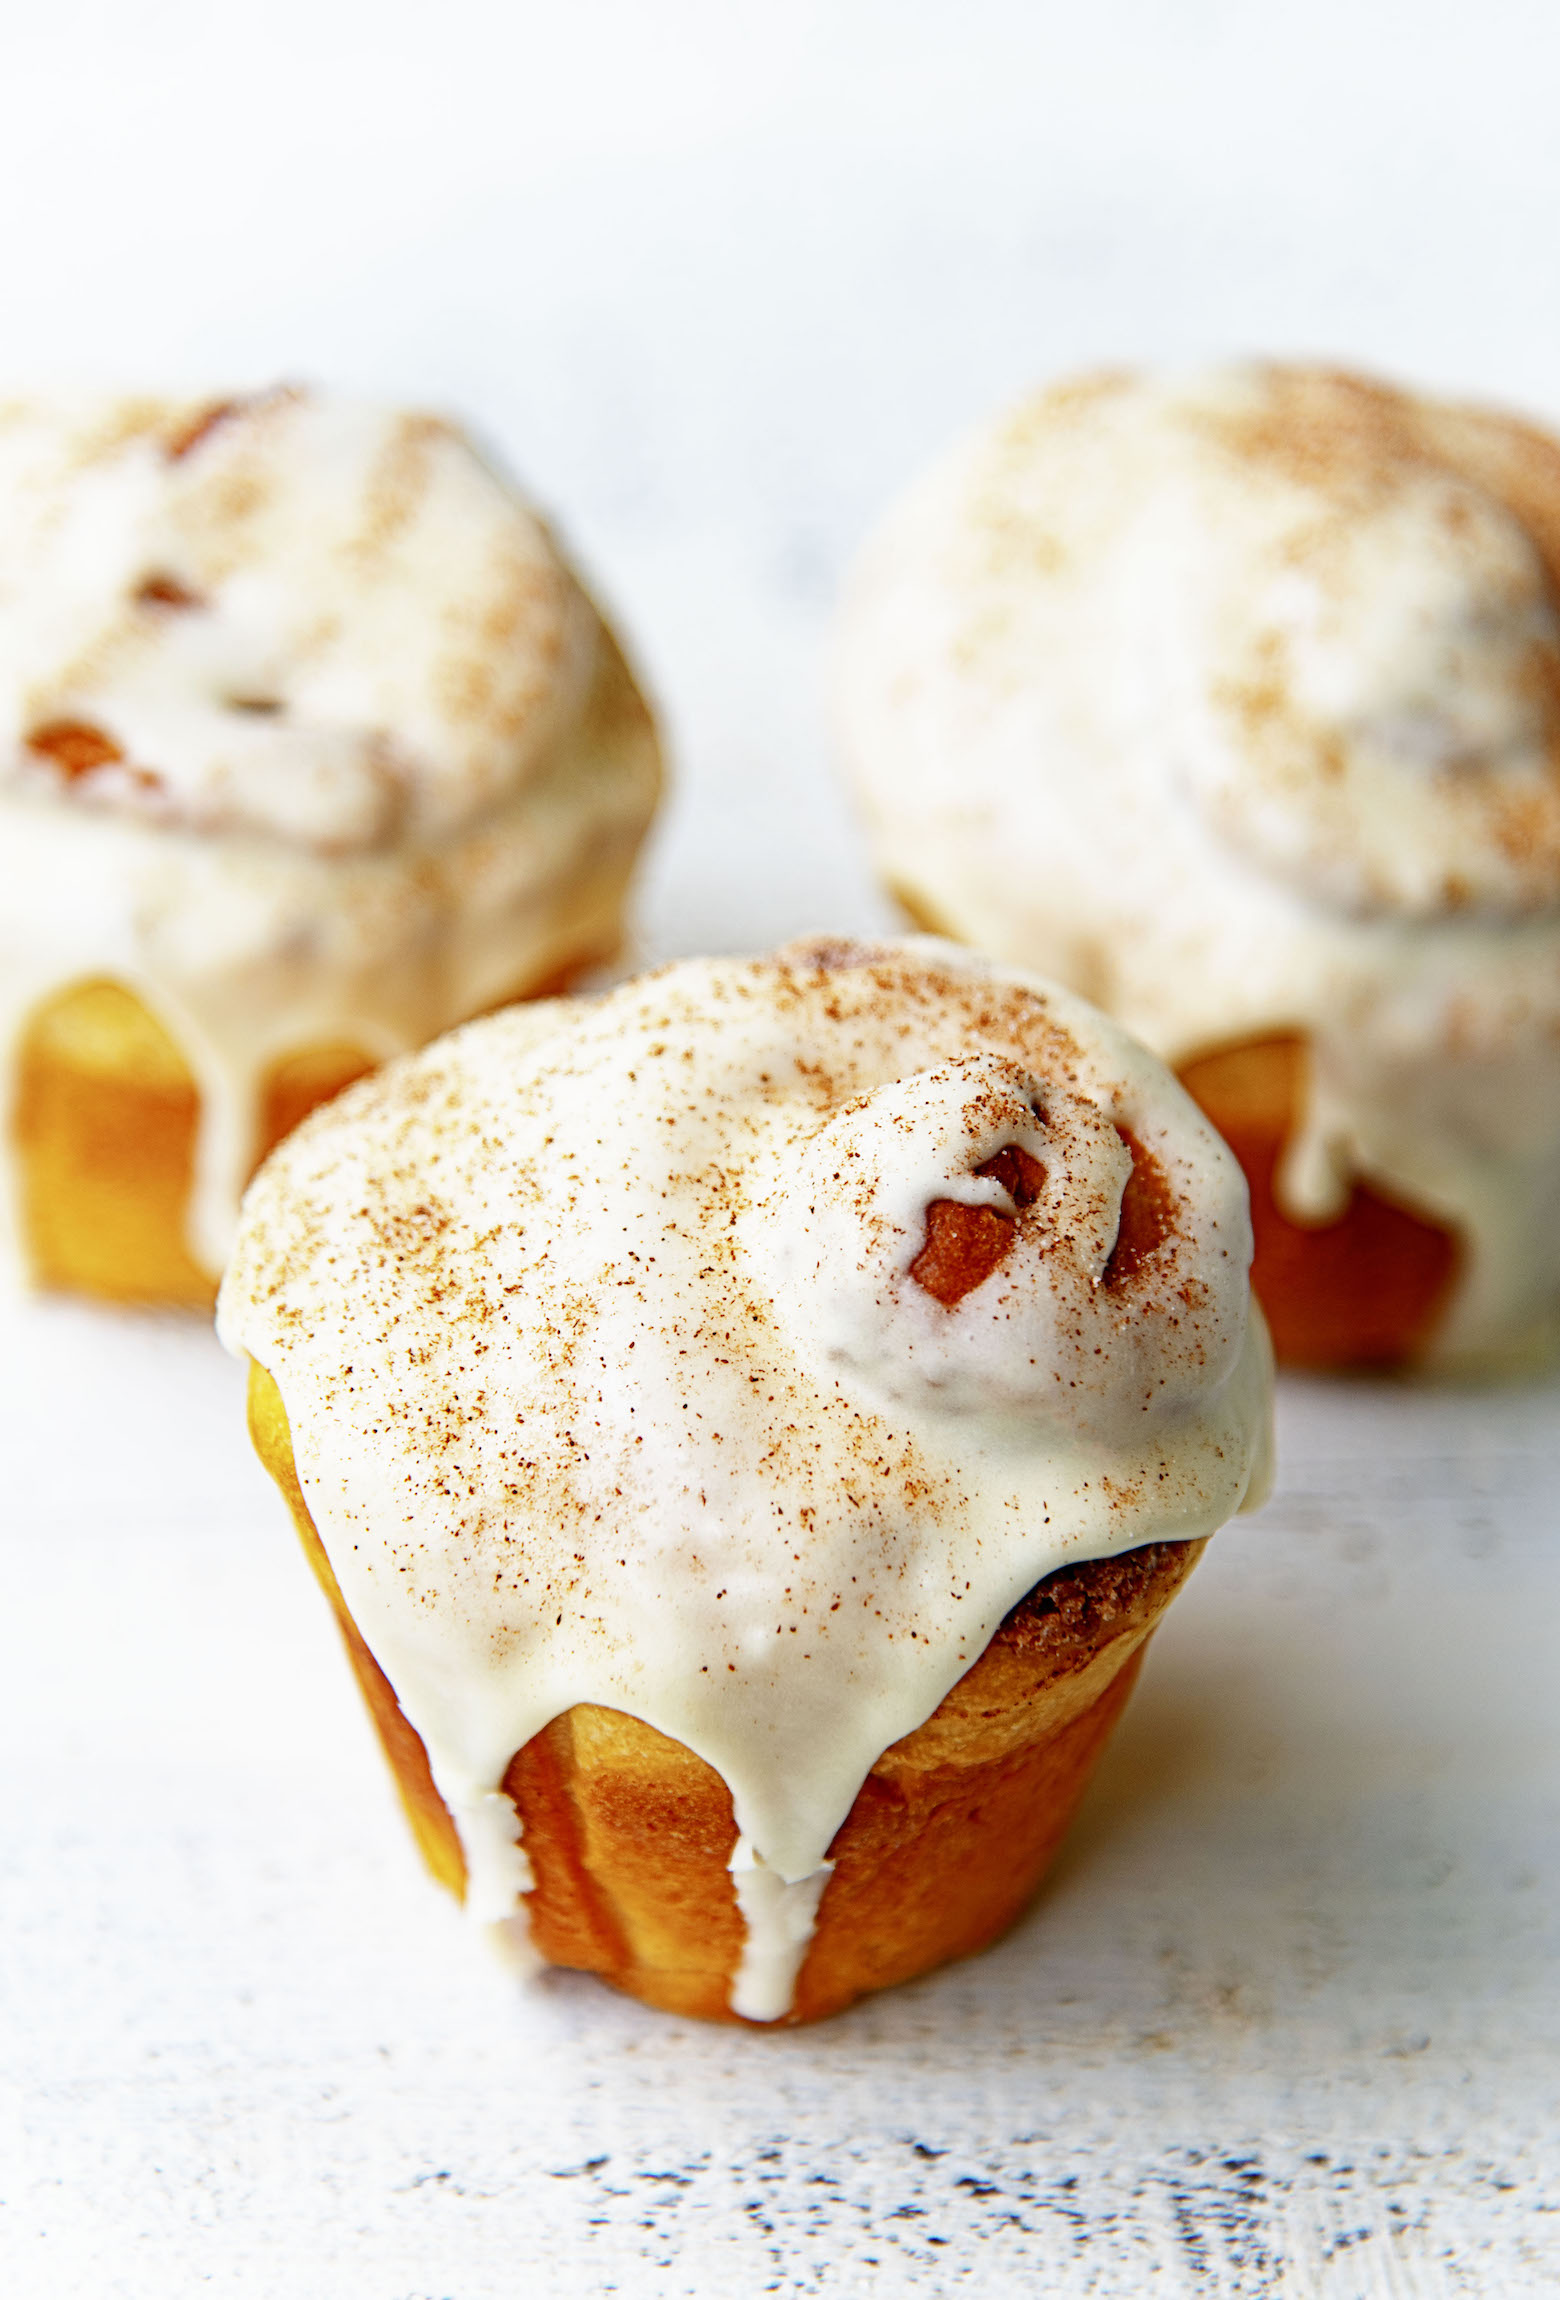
[780, 1916]
[660, 1418]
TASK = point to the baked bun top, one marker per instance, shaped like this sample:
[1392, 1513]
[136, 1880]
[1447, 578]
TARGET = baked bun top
[324, 622]
[1327, 609]
[308, 737]
[738, 1349]
[1234, 701]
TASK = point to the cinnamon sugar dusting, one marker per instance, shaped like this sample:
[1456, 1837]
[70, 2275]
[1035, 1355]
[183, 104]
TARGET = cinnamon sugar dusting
[611, 1375]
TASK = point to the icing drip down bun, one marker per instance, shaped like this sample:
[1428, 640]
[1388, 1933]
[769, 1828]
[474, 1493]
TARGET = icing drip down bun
[748, 1426]
[311, 745]
[1235, 703]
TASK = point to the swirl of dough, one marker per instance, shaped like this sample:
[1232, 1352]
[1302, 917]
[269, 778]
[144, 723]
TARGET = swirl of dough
[972, 1240]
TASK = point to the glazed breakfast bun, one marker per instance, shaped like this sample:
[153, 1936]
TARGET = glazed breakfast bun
[748, 1426]
[1234, 703]
[311, 745]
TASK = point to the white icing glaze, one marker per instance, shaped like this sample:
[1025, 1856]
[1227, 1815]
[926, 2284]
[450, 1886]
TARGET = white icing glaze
[780, 1918]
[610, 1380]
[1235, 703]
[376, 768]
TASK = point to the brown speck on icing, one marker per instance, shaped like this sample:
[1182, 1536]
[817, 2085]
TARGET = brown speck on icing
[195, 429]
[1344, 436]
[165, 591]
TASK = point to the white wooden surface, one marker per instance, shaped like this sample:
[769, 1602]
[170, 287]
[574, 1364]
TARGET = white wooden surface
[1285, 2021]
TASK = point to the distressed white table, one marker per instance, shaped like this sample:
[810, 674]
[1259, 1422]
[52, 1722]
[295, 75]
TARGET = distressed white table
[1285, 2020]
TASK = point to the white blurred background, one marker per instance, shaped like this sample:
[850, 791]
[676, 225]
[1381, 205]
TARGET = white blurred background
[716, 276]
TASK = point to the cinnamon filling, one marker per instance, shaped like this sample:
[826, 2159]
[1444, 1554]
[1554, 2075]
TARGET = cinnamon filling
[964, 1244]
[1147, 1214]
[1022, 1177]
[75, 747]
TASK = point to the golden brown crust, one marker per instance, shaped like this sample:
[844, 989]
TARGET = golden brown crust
[629, 1833]
[425, 1809]
[104, 1131]
[104, 1126]
[1367, 1289]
